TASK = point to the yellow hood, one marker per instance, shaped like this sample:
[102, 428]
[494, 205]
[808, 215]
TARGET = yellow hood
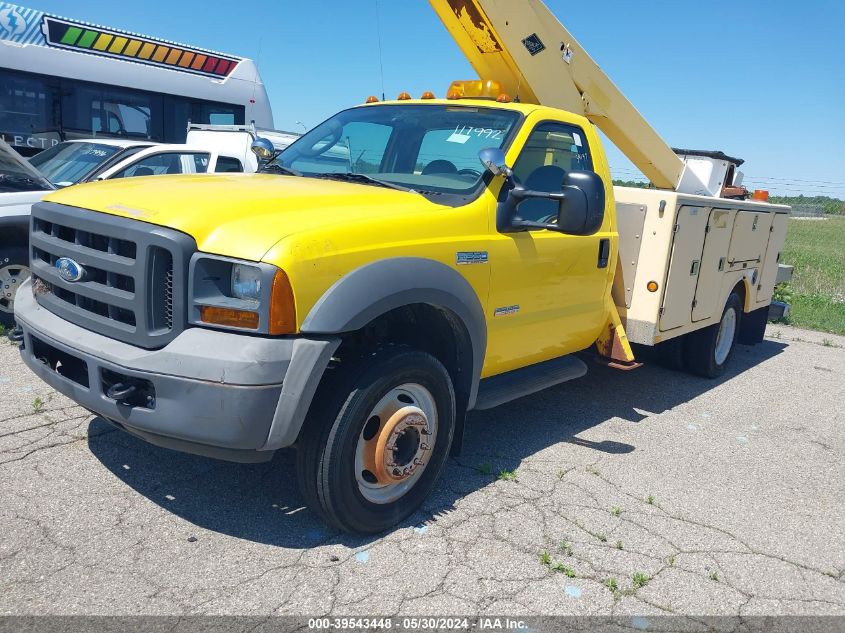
[240, 215]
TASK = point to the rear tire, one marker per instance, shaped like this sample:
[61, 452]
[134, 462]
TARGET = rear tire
[335, 460]
[709, 349]
[14, 270]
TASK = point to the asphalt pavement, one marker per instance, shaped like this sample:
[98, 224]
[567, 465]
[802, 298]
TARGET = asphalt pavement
[641, 493]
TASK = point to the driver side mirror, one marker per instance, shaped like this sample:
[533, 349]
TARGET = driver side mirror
[580, 206]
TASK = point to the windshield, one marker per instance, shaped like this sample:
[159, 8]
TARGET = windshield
[69, 163]
[427, 148]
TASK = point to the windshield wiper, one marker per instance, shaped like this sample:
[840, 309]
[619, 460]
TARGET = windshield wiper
[364, 179]
[20, 183]
[275, 168]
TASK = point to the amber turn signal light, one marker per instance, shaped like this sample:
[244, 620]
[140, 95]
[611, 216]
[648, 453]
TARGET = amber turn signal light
[403, 96]
[228, 317]
[504, 98]
[428, 94]
[282, 306]
[761, 194]
[652, 286]
[372, 99]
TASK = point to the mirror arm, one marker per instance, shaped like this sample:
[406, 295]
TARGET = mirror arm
[527, 225]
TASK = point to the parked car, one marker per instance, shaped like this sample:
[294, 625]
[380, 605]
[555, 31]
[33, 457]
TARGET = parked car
[210, 149]
[21, 185]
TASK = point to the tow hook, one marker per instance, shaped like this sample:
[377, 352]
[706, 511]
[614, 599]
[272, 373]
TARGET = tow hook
[121, 391]
[16, 335]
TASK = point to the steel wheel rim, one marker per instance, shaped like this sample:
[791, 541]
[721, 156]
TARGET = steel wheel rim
[11, 278]
[725, 337]
[404, 403]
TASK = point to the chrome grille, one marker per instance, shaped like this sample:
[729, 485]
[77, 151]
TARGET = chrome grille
[134, 286]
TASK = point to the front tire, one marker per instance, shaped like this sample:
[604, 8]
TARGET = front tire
[377, 439]
[14, 270]
[709, 349]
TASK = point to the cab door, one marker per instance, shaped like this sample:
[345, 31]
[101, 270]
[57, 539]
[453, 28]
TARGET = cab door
[547, 289]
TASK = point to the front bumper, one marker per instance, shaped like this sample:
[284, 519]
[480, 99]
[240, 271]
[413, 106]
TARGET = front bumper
[219, 394]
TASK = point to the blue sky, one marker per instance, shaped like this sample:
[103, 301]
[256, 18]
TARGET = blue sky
[759, 79]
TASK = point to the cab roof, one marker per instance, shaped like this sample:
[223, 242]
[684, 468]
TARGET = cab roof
[114, 142]
[468, 102]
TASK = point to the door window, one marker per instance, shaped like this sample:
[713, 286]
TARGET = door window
[551, 151]
[228, 164]
[167, 163]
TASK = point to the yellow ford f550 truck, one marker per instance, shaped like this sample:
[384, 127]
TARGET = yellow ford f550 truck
[400, 264]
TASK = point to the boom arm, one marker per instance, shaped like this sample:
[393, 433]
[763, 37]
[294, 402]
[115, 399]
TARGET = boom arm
[521, 44]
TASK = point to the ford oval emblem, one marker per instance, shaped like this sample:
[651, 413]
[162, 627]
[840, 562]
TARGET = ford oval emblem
[69, 270]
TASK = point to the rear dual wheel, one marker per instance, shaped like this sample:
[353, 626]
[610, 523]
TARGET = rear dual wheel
[709, 349]
[377, 439]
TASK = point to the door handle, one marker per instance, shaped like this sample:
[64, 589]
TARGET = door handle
[604, 252]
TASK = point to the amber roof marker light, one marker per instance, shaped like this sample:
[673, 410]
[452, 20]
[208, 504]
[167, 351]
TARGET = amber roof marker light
[475, 89]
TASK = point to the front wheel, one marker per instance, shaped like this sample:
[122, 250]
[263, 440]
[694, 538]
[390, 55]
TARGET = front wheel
[14, 270]
[710, 349]
[377, 439]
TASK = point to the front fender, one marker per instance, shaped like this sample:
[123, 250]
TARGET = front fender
[376, 288]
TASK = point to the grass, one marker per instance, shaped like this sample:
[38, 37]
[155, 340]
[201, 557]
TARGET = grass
[563, 569]
[640, 579]
[714, 576]
[37, 404]
[546, 561]
[650, 500]
[616, 511]
[566, 548]
[620, 545]
[814, 248]
[611, 584]
[507, 475]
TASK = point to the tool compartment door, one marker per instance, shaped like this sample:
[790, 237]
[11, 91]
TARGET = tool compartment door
[713, 263]
[768, 274]
[687, 245]
[749, 239]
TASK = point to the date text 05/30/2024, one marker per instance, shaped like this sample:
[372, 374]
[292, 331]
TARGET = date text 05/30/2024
[424, 623]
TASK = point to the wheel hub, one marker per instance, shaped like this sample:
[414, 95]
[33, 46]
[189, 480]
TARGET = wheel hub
[396, 443]
[11, 278]
[401, 446]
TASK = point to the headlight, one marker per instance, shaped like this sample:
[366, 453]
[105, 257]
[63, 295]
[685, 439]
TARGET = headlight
[246, 282]
[240, 295]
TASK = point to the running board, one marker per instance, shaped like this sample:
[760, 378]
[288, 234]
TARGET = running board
[522, 382]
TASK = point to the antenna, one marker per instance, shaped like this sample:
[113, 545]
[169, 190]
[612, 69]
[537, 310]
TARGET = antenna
[380, 62]
[255, 77]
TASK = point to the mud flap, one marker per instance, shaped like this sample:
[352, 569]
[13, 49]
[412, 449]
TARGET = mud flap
[752, 326]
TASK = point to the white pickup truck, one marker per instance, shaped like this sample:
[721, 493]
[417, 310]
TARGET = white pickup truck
[208, 149]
